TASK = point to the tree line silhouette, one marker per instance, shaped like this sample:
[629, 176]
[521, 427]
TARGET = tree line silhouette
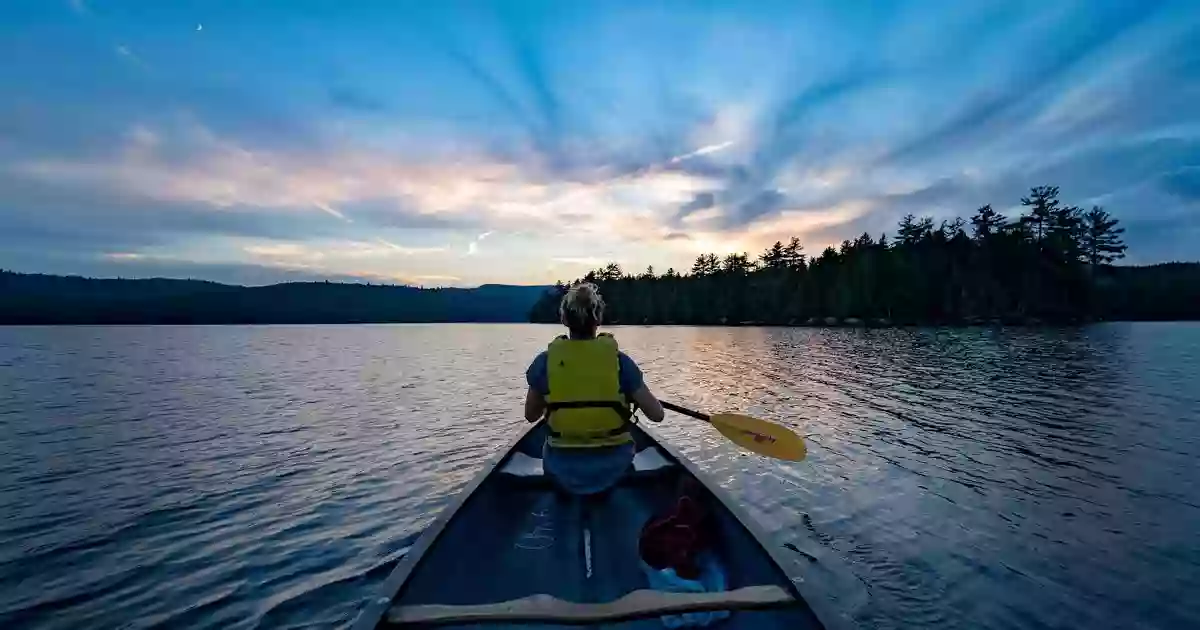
[49, 299]
[1050, 264]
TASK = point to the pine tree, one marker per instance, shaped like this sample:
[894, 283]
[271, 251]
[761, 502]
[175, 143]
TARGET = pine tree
[1063, 233]
[612, 271]
[986, 222]
[1040, 265]
[773, 257]
[909, 232]
[1042, 202]
[793, 255]
[1100, 239]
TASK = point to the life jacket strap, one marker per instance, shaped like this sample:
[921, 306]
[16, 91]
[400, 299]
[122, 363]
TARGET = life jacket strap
[624, 411]
[621, 408]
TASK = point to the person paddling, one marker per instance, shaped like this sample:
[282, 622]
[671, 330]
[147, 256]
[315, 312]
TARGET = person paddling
[585, 385]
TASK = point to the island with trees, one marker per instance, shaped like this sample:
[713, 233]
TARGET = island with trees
[1051, 264]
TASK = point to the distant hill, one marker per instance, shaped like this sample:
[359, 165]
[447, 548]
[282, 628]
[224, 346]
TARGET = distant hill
[47, 299]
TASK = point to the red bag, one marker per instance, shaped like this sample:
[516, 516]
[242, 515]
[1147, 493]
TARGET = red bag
[676, 538]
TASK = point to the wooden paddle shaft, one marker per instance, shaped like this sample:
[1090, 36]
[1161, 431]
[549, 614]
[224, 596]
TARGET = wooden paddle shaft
[685, 411]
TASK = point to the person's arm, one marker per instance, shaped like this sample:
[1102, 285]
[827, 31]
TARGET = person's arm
[648, 403]
[634, 386]
[537, 377]
[535, 405]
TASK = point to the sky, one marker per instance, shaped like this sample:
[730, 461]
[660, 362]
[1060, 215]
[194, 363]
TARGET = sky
[462, 143]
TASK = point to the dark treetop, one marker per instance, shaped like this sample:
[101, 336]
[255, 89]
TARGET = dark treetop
[1052, 263]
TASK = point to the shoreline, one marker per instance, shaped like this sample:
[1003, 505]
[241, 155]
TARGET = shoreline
[849, 322]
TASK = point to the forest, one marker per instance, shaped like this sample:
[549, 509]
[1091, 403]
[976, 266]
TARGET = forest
[48, 299]
[1051, 264]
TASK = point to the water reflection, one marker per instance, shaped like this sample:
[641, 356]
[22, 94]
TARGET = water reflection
[225, 477]
[966, 473]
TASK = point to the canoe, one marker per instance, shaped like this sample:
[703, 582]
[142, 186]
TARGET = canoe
[511, 551]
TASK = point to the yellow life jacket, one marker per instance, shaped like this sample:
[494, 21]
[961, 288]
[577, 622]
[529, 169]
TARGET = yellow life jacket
[586, 406]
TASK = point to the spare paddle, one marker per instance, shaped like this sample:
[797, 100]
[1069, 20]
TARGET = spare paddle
[752, 434]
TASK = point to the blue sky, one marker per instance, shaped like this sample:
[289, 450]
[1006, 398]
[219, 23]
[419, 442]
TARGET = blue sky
[460, 143]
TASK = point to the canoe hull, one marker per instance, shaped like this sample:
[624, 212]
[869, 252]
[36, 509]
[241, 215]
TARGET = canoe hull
[508, 537]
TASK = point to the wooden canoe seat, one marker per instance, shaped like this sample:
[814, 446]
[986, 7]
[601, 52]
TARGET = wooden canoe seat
[549, 609]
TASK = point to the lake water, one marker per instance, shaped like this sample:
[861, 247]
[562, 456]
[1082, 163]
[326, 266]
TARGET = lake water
[238, 477]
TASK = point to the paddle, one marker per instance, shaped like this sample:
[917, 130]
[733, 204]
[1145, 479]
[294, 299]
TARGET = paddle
[752, 434]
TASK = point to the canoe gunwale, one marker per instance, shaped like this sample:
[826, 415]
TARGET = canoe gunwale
[639, 604]
[376, 609]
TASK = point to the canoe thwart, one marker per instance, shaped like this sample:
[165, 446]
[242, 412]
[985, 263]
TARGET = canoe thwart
[648, 459]
[549, 609]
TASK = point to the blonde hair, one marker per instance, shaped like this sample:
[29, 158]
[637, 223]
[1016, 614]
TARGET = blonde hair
[581, 308]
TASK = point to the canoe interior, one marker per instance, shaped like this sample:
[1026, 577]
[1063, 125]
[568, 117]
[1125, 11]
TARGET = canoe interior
[515, 537]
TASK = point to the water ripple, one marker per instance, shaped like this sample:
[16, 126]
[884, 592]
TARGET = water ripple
[253, 477]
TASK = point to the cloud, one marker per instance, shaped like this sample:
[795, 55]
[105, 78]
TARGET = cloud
[704, 150]
[282, 250]
[246, 274]
[700, 201]
[331, 211]
[409, 251]
[65, 216]
[192, 165]
[126, 53]
[986, 116]
[189, 182]
[137, 265]
[79, 6]
[223, 174]
[581, 261]
[1183, 183]
[473, 247]
[435, 279]
[532, 101]
[761, 204]
[600, 128]
[365, 260]
[318, 251]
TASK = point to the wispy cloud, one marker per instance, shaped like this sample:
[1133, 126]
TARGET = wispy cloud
[435, 278]
[473, 246]
[583, 261]
[282, 250]
[124, 256]
[410, 251]
[193, 165]
[338, 249]
[330, 210]
[705, 150]
[615, 131]
[125, 52]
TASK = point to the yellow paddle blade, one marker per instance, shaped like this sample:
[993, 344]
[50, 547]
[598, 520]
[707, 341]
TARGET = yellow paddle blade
[760, 436]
